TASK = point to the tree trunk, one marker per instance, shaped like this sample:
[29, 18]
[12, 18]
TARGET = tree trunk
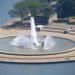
[68, 19]
[21, 20]
[21, 15]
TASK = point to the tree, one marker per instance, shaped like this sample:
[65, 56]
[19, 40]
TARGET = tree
[65, 8]
[35, 7]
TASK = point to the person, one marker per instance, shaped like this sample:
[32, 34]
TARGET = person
[68, 30]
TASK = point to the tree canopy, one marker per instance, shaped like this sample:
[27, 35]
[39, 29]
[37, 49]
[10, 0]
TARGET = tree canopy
[65, 8]
[35, 7]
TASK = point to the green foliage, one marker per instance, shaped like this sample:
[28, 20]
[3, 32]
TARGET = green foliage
[35, 7]
[66, 8]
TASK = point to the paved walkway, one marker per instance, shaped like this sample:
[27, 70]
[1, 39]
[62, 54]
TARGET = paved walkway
[52, 24]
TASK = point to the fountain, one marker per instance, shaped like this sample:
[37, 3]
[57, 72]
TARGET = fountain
[33, 32]
[34, 45]
[48, 42]
[32, 41]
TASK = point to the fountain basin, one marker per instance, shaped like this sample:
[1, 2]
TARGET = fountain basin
[62, 45]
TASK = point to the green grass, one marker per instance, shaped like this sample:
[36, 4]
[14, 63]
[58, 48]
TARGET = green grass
[64, 21]
[71, 23]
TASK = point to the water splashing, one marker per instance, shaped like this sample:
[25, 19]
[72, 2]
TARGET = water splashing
[33, 32]
[48, 42]
[32, 41]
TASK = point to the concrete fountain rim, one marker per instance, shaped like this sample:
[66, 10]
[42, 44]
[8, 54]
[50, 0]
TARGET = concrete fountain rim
[44, 58]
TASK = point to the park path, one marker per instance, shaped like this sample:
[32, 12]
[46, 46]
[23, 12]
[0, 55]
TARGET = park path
[59, 25]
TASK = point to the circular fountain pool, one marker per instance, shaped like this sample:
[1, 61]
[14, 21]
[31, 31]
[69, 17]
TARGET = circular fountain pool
[62, 45]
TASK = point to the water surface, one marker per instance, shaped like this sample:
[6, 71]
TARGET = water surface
[5, 5]
[61, 45]
[38, 69]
